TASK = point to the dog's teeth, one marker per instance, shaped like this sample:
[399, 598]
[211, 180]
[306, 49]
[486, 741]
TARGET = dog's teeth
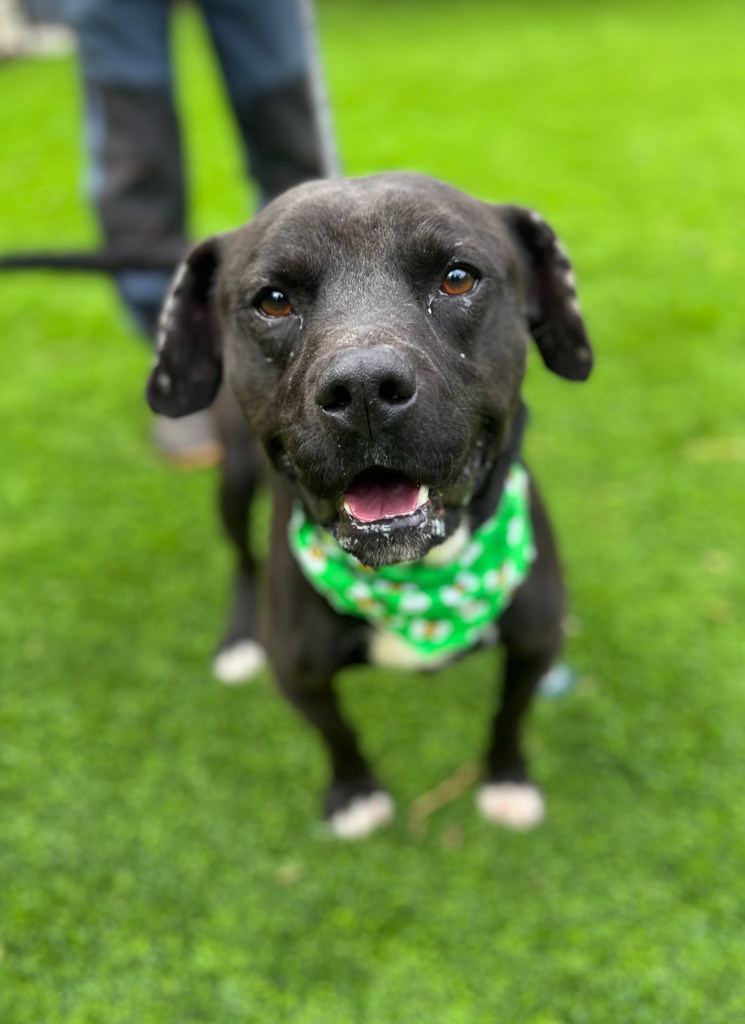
[347, 508]
[423, 496]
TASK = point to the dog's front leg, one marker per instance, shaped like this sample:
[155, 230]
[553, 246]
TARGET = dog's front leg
[531, 632]
[308, 643]
[354, 803]
[240, 655]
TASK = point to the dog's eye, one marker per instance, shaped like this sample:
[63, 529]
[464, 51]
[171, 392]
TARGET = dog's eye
[274, 303]
[458, 281]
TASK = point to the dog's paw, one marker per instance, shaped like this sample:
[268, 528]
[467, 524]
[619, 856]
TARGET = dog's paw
[362, 815]
[516, 805]
[239, 663]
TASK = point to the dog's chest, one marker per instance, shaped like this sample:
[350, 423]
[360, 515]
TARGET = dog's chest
[389, 650]
[386, 649]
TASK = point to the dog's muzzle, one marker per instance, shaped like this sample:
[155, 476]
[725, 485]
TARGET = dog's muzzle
[391, 463]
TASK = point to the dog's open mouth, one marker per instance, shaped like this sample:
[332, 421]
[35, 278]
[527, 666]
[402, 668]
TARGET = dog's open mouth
[380, 494]
[386, 517]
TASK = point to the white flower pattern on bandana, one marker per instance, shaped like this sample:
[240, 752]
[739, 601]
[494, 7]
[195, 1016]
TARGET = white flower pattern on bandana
[313, 559]
[415, 602]
[431, 631]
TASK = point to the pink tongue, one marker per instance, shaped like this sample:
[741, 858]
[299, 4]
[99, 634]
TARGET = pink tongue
[370, 499]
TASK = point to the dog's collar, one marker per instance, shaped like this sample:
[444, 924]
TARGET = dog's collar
[438, 611]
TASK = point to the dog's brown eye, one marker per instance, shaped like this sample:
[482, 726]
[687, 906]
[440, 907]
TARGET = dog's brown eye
[275, 303]
[458, 281]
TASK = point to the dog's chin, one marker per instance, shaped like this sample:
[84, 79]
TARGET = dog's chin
[384, 518]
[402, 538]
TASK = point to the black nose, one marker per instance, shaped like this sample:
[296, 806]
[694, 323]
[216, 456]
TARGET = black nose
[365, 389]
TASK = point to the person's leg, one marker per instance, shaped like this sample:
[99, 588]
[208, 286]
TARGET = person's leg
[135, 161]
[263, 52]
[136, 178]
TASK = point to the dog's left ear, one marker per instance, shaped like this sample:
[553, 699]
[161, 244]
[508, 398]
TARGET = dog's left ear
[554, 318]
[188, 368]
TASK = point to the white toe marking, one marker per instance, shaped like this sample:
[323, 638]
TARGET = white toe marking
[363, 816]
[516, 805]
[239, 663]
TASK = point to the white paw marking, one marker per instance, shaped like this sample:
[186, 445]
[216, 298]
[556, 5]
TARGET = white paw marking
[239, 663]
[363, 816]
[516, 805]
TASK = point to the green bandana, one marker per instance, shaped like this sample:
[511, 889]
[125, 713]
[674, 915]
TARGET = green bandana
[438, 611]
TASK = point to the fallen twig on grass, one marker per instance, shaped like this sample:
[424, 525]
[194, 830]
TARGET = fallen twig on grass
[421, 809]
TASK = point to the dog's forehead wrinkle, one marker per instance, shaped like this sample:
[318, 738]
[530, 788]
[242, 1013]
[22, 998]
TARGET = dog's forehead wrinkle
[363, 284]
[364, 219]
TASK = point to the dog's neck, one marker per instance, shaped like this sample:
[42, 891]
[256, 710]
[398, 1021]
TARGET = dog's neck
[487, 495]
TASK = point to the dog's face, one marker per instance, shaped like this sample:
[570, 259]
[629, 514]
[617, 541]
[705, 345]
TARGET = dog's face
[374, 332]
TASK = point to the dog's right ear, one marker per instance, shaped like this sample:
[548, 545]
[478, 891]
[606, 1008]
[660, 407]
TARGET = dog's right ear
[188, 367]
[553, 313]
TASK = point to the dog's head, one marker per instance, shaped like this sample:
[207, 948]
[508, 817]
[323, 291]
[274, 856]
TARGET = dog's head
[374, 332]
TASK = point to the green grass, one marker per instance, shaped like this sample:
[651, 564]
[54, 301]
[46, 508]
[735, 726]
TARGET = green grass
[160, 859]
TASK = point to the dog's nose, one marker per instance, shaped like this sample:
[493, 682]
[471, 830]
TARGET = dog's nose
[365, 389]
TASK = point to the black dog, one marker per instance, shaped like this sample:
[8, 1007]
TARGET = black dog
[374, 332]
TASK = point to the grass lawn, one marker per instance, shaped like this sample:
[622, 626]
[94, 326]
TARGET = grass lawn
[160, 857]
